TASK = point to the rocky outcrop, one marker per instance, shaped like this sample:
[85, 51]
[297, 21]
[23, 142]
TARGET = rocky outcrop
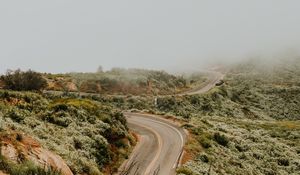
[1, 87]
[2, 173]
[18, 147]
[61, 84]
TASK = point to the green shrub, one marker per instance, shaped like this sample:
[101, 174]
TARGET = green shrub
[15, 116]
[59, 118]
[101, 153]
[194, 100]
[221, 139]
[60, 107]
[120, 117]
[23, 81]
[166, 103]
[77, 143]
[184, 170]
[197, 131]
[241, 148]
[206, 143]
[283, 162]
[2, 124]
[205, 140]
[19, 137]
[204, 158]
[120, 144]
[118, 100]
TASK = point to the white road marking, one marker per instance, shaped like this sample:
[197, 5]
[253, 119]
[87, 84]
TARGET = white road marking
[173, 128]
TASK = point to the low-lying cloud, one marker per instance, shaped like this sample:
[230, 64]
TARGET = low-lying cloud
[74, 35]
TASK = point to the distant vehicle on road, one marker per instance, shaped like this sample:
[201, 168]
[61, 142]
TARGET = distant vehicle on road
[219, 83]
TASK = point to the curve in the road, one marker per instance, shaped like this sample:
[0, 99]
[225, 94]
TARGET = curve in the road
[214, 78]
[159, 148]
[161, 143]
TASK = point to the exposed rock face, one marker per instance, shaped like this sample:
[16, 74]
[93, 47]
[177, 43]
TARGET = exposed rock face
[91, 87]
[29, 149]
[1, 87]
[71, 86]
[1, 173]
[61, 84]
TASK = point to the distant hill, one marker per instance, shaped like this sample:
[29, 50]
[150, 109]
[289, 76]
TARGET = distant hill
[123, 81]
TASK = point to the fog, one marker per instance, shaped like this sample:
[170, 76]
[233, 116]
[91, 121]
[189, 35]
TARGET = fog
[76, 35]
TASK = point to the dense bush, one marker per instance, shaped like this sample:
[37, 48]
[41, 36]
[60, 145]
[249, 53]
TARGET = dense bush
[185, 171]
[166, 103]
[15, 116]
[203, 157]
[221, 139]
[283, 162]
[23, 81]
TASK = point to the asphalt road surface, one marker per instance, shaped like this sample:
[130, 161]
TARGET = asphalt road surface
[159, 148]
[160, 143]
[214, 78]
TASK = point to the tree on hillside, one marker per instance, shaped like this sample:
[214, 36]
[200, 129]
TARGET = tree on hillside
[23, 81]
[100, 69]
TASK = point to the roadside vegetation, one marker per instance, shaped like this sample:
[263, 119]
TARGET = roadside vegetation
[91, 137]
[249, 125]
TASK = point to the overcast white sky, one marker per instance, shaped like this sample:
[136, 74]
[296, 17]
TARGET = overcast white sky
[79, 35]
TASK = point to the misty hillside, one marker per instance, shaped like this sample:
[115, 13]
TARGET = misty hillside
[251, 90]
[134, 87]
[249, 125]
[123, 81]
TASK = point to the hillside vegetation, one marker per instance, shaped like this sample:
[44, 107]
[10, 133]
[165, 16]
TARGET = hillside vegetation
[123, 81]
[90, 136]
[249, 125]
[22, 81]
[251, 91]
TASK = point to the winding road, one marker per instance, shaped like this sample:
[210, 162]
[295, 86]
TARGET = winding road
[213, 78]
[160, 143]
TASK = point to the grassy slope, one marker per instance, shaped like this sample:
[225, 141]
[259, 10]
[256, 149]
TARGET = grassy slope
[89, 136]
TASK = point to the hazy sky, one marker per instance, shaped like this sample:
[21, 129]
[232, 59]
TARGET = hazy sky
[79, 35]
